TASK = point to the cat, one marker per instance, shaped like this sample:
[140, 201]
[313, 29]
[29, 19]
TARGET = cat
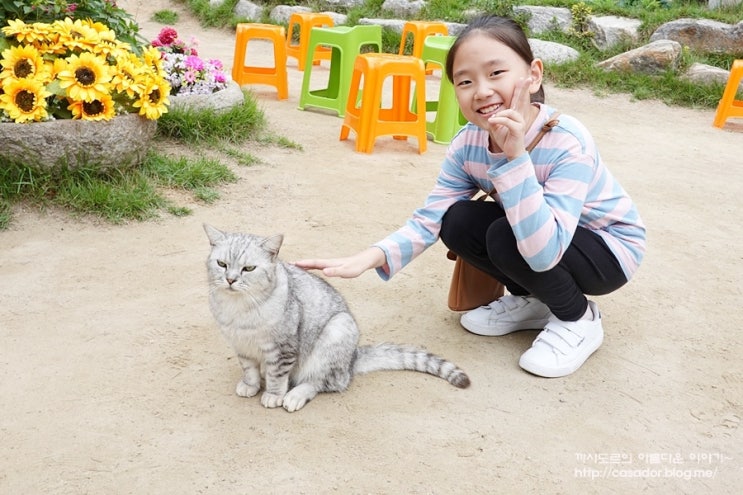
[294, 329]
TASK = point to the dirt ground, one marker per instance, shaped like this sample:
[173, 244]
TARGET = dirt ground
[115, 380]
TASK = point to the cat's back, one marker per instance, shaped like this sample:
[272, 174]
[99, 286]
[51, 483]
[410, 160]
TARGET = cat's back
[312, 291]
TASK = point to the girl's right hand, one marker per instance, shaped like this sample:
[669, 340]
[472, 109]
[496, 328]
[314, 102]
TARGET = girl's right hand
[348, 267]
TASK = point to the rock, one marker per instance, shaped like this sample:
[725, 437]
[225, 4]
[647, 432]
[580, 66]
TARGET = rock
[281, 13]
[551, 52]
[652, 58]
[703, 35]
[611, 30]
[225, 99]
[543, 19]
[119, 143]
[248, 10]
[707, 74]
[404, 8]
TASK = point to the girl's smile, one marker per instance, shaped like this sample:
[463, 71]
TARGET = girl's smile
[486, 73]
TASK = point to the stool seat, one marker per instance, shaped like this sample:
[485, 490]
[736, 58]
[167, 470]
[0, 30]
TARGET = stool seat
[420, 30]
[369, 115]
[729, 107]
[250, 74]
[297, 48]
[448, 119]
[345, 43]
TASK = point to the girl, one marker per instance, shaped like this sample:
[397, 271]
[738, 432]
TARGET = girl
[560, 226]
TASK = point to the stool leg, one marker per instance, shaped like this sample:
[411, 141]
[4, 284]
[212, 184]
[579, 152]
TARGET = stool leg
[727, 106]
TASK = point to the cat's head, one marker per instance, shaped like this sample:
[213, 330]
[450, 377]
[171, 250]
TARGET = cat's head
[243, 263]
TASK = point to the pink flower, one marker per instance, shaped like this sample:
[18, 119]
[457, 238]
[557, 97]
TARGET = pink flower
[195, 63]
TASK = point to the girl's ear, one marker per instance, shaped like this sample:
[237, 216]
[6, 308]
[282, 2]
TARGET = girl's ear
[536, 71]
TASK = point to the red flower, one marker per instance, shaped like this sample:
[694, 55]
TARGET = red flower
[167, 35]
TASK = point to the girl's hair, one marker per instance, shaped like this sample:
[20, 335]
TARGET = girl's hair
[501, 29]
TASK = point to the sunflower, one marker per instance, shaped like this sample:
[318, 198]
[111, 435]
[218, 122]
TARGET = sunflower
[25, 33]
[24, 100]
[99, 109]
[77, 34]
[128, 72]
[85, 78]
[23, 62]
[153, 58]
[153, 100]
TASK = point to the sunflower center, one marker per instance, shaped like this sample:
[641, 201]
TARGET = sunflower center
[94, 107]
[25, 100]
[23, 69]
[155, 96]
[85, 76]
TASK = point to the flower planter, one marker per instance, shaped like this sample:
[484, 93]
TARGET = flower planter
[120, 143]
[224, 99]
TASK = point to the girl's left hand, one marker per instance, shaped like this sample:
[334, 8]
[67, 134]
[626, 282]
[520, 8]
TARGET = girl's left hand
[507, 127]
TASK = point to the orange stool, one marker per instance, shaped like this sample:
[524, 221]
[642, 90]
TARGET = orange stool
[304, 22]
[420, 31]
[273, 76]
[366, 114]
[729, 107]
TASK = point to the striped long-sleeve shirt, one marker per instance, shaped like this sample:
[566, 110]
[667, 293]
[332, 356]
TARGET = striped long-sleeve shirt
[546, 194]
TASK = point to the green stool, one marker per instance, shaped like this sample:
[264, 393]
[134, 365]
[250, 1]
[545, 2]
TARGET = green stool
[449, 119]
[345, 43]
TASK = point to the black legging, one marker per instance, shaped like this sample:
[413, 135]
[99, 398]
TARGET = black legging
[479, 232]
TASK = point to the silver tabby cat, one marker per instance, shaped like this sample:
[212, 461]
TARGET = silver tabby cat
[293, 328]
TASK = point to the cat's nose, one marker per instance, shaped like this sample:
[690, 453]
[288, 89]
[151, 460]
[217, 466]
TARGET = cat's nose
[231, 281]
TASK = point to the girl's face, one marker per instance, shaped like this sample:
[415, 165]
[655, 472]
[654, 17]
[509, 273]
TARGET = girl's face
[485, 74]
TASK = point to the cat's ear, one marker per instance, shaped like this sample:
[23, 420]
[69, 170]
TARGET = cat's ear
[273, 244]
[215, 235]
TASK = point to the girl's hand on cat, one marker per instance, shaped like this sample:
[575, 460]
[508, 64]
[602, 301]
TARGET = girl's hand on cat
[348, 267]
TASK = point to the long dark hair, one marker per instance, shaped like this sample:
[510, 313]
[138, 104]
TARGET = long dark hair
[501, 29]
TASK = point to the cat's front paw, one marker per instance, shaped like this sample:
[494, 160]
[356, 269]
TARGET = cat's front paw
[245, 390]
[271, 400]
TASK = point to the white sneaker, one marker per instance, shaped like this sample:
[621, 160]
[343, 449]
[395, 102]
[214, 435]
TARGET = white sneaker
[507, 314]
[563, 346]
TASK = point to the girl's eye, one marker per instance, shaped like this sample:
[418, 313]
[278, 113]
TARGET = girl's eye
[221, 264]
[497, 73]
[248, 268]
[463, 82]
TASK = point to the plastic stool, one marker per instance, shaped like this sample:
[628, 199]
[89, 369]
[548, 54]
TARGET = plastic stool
[420, 31]
[345, 43]
[304, 22]
[729, 107]
[368, 117]
[273, 76]
[449, 119]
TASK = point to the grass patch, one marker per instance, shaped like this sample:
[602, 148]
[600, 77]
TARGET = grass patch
[197, 127]
[166, 16]
[185, 173]
[115, 195]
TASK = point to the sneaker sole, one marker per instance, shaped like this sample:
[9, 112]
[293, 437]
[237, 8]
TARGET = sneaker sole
[489, 331]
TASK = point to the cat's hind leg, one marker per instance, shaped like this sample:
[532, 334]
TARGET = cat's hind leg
[250, 383]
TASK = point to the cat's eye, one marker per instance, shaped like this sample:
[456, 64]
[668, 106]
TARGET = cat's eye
[249, 268]
[221, 264]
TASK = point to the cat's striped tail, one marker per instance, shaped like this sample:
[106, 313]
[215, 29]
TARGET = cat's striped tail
[400, 357]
